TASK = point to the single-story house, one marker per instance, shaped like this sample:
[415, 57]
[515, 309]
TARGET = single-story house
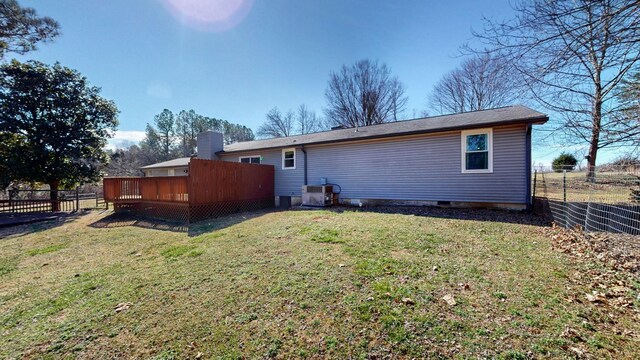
[479, 158]
[175, 167]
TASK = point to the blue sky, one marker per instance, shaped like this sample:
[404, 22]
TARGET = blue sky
[147, 55]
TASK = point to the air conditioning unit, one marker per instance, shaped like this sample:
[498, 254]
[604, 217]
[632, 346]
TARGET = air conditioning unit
[317, 195]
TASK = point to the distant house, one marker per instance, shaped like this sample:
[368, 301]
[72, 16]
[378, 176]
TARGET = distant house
[175, 167]
[480, 158]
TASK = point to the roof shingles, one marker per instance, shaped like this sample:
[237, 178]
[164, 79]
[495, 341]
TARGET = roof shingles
[184, 161]
[474, 119]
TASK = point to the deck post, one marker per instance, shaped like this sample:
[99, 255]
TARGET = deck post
[77, 198]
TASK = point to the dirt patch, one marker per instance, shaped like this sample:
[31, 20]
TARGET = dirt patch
[491, 215]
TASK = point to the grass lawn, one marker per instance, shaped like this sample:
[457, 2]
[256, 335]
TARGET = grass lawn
[299, 284]
[609, 187]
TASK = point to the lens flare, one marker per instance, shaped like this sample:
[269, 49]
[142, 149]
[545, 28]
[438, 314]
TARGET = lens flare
[210, 15]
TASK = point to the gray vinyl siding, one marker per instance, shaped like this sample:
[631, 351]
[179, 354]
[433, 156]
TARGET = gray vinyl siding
[288, 182]
[424, 167]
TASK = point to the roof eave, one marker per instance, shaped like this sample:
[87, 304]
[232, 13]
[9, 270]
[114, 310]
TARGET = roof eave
[537, 120]
[162, 167]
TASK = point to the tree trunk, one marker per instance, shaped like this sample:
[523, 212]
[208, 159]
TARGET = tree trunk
[596, 118]
[595, 139]
[53, 195]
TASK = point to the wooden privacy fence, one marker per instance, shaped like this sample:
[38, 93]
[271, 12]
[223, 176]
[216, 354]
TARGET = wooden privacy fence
[211, 189]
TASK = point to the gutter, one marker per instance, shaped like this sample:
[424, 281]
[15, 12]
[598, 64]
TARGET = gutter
[528, 122]
[305, 164]
[528, 166]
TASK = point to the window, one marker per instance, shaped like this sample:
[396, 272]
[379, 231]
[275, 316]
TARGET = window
[289, 158]
[253, 159]
[477, 151]
[172, 172]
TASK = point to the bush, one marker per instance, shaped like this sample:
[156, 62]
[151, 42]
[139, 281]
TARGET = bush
[564, 162]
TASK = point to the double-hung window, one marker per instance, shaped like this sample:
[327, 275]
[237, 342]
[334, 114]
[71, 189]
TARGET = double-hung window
[477, 151]
[253, 159]
[288, 158]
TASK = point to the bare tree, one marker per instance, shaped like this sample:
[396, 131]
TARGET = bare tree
[364, 93]
[277, 124]
[308, 121]
[572, 55]
[481, 82]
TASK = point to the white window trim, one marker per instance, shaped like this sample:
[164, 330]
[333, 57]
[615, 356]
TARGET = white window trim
[464, 134]
[249, 156]
[295, 161]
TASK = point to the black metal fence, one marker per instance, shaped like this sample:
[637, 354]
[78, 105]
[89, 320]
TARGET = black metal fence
[603, 200]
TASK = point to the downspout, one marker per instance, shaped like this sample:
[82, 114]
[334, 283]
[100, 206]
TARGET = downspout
[528, 166]
[304, 151]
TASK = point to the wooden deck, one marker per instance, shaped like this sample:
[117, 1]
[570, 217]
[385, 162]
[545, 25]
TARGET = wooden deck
[212, 188]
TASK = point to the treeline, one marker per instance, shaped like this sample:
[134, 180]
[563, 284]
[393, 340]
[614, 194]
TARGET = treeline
[172, 136]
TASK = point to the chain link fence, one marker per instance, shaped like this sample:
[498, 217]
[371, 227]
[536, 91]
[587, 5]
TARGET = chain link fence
[605, 199]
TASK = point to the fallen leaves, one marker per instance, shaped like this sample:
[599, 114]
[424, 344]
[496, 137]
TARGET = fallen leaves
[464, 286]
[408, 301]
[596, 298]
[449, 299]
[617, 251]
[610, 283]
[572, 334]
[123, 307]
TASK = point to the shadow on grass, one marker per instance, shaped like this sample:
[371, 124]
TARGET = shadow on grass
[118, 220]
[489, 215]
[29, 223]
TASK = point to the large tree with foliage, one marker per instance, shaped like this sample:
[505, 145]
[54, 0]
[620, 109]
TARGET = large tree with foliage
[628, 98]
[572, 56]
[234, 133]
[564, 161]
[164, 127]
[56, 124]
[21, 29]
[172, 135]
[364, 93]
[188, 125]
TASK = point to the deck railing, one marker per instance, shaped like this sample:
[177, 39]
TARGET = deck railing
[212, 188]
[165, 188]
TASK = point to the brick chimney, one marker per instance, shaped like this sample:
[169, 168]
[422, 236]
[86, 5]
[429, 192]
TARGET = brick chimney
[209, 142]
